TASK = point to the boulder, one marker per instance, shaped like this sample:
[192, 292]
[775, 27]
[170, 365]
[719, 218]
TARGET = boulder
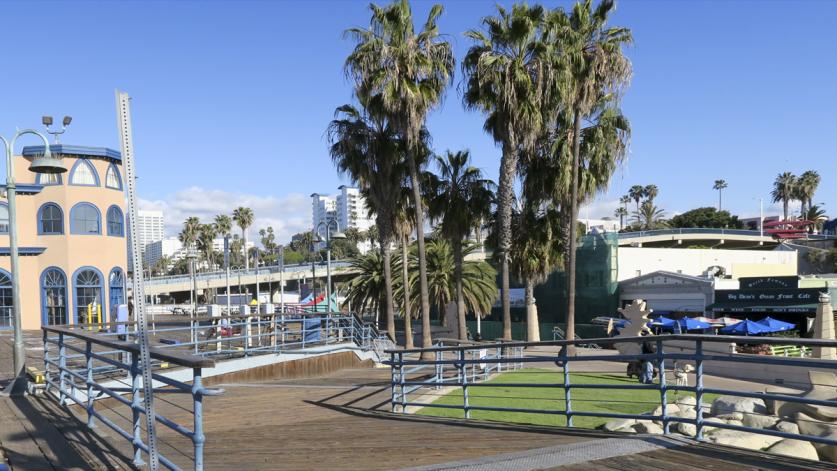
[796, 449]
[619, 425]
[735, 422]
[687, 413]
[686, 429]
[688, 402]
[810, 426]
[671, 409]
[731, 404]
[787, 427]
[760, 421]
[748, 440]
[646, 426]
[730, 416]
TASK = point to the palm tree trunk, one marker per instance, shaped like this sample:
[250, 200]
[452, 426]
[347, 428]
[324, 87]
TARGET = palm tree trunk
[505, 197]
[386, 255]
[533, 331]
[405, 273]
[246, 255]
[719, 199]
[426, 339]
[460, 298]
[785, 208]
[571, 259]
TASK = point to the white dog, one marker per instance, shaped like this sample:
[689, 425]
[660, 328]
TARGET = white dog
[681, 375]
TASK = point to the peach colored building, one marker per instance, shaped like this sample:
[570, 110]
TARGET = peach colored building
[72, 238]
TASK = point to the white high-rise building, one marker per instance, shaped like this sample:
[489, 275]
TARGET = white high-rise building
[351, 209]
[170, 247]
[323, 208]
[149, 229]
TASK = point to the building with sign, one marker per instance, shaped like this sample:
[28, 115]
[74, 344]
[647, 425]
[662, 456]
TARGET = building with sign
[71, 233]
[669, 293]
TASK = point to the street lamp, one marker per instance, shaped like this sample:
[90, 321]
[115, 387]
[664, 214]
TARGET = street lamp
[328, 237]
[45, 163]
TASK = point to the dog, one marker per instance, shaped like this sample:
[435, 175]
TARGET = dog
[681, 375]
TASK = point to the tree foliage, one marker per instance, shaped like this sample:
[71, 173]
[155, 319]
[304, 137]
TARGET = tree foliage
[707, 217]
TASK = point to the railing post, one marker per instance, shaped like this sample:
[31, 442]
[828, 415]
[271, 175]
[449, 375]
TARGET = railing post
[663, 387]
[136, 407]
[499, 356]
[567, 394]
[62, 368]
[198, 437]
[392, 381]
[47, 376]
[463, 373]
[401, 380]
[699, 389]
[88, 355]
[439, 369]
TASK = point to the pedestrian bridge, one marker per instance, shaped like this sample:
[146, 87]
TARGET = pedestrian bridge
[731, 238]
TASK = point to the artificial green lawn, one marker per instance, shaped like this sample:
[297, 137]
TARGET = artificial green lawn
[588, 400]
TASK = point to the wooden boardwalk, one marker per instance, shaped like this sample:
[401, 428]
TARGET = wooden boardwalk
[336, 422]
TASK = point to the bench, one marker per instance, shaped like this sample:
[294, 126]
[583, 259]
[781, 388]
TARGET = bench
[790, 350]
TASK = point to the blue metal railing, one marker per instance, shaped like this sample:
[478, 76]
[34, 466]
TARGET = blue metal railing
[72, 376]
[234, 274]
[713, 231]
[459, 359]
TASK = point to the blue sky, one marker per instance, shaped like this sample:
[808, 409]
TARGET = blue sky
[231, 99]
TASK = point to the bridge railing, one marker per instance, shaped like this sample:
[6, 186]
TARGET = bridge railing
[466, 367]
[234, 274]
[714, 231]
[81, 367]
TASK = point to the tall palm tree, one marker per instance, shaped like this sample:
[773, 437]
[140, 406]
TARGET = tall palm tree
[462, 199]
[624, 200]
[536, 251]
[206, 236]
[806, 187]
[784, 190]
[636, 193]
[404, 223]
[365, 145]
[410, 71]
[651, 192]
[650, 216]
[592, 67]
[189, 234]
[244, 218]
[367, 290]
[505, 75]
[817, 215]
[223, 224]
[621, 213]
[719, 185]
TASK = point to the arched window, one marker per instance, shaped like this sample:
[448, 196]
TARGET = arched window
[54, 297]
[116, 223]
[47, 179]
[4, 218]
[116, 283]
[6, 304]
[50, 219]
[84, 174]
[112, 178]
[85, 219]
[88, 295]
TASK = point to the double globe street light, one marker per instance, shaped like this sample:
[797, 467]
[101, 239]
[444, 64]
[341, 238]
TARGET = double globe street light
[45, 163]
[329, 236]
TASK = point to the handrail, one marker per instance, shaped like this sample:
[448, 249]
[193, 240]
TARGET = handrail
[710, 230]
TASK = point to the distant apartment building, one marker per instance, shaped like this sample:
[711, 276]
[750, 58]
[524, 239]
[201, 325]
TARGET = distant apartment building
[323, 208]
[172, 248]
[351, 209]
[150, 229]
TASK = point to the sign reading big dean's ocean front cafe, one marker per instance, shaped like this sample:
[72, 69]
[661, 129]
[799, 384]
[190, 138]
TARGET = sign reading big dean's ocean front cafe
[768, 294]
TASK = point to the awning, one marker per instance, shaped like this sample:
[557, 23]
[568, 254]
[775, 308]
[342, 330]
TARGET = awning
[737, 307]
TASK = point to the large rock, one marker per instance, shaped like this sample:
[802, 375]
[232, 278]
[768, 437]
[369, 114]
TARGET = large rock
[731, 404]
[687, 429]
[760, 421]
[619, 425]
[810, 426]
[730, 416]
[671, 410]
[787, 427]
[646, 426]
[823, 387]
[748, 440]
[796, 449]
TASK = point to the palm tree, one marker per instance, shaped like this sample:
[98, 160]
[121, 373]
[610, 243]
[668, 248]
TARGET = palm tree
[636, 193]
[806, 187]
[536, 251]
[651, 192]
[593, 70]
[479, 286]
[719, 185]
[206, 236]
[367, 290]
[621, 213]
[365, 145]
[784, 190]
[223, 224]
[189, 234]
[505, 75]
[404, 222]
[817, 215]
[244, 218]
[649, 216]
[410, 72]
[461, 200]
[624, 200]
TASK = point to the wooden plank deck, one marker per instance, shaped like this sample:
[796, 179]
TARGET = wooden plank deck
[341, 422]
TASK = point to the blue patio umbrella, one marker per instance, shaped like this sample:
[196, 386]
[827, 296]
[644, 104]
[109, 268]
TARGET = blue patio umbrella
[663, 321]
[746, 327]
[687, 323]
[776, 325]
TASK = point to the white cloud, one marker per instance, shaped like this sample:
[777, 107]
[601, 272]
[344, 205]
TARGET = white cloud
[287, 215]
[598, 209]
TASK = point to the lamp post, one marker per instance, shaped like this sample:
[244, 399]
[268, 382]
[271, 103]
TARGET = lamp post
[193, 294]
[328, 237]
[281, 278]
[43, 164]
[227, 269]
